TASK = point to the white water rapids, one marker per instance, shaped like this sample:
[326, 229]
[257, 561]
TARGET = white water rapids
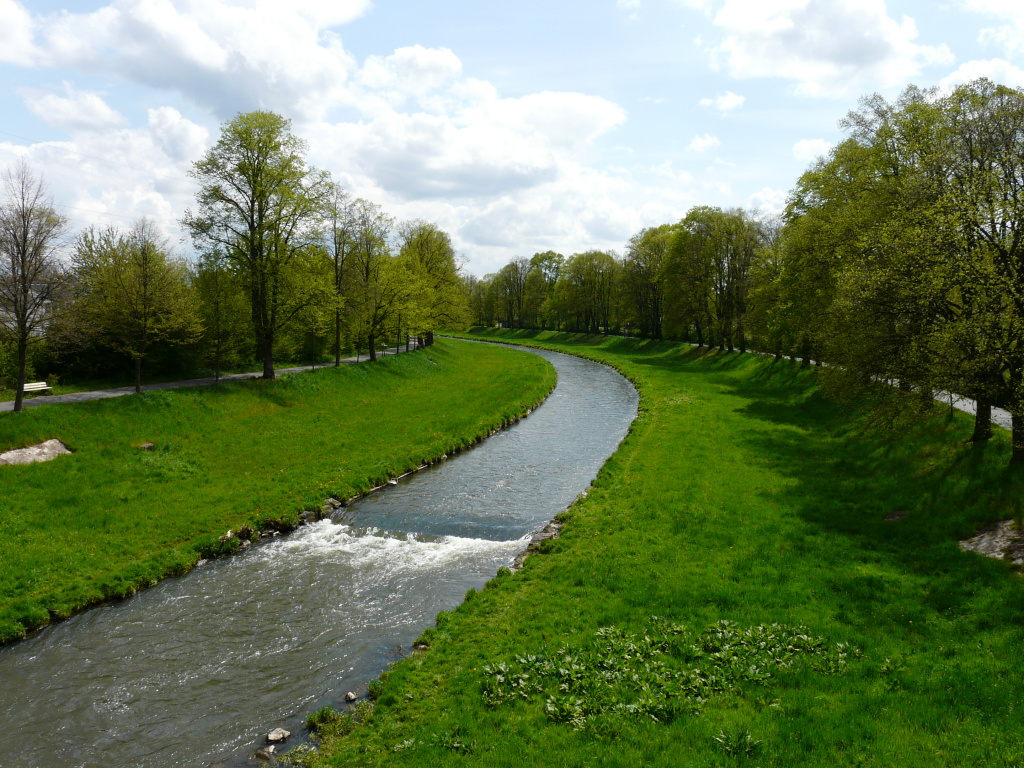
[196, 670]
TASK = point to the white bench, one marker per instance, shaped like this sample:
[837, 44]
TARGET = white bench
[38, 386]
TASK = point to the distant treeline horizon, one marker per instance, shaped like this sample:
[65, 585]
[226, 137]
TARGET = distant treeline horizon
[898, 261]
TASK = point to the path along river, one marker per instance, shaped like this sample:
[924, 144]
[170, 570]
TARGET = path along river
[194, 671]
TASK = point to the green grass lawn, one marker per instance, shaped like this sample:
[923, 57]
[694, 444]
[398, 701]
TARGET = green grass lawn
[113, 518]
[740, 495]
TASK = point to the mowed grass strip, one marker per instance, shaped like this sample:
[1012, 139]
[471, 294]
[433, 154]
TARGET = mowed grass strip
[112, 518]
[740, 495]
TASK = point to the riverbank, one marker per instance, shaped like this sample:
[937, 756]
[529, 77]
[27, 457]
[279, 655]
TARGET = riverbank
[114, 517]
[740, 495]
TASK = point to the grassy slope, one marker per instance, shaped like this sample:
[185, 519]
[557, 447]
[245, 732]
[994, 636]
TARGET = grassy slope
[112, 518]
[742, 494]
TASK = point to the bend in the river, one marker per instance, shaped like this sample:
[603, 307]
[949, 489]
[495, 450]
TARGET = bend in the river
[195, 670]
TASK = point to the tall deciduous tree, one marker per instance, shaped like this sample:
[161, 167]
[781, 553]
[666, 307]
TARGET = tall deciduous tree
[340, 230]
[641, 279]
[132, 294]
[441, 301]
[510, 284]
[261, 204]
[31, 276]
[379, 288]
[224, 312]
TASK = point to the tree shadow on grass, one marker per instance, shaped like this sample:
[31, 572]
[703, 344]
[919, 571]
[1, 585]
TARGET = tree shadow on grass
[851, 476]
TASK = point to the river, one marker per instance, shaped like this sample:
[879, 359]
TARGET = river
[195, 671]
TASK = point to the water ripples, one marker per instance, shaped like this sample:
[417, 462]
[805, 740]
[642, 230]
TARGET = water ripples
[196, 669]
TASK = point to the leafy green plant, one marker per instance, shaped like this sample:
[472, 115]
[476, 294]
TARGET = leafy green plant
[323, 717]
[454, 741]
[658, 674]
[738, 743]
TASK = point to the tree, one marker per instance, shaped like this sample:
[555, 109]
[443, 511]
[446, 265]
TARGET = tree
[763, 317]
[641, 279]
[340, 216]
[587, 283]
[429, 253]
[261, 204]
[535, 296]
[379, 286]
[222, 304]
[706, 274]
[31, 276]
[132, 294]
[510, 283]
[480, 299]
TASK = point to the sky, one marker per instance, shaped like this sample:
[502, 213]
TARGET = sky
[516, 127]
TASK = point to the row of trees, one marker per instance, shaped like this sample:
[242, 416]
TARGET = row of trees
[898, 261]
[688, 280]
[284, 253]
[902, 261]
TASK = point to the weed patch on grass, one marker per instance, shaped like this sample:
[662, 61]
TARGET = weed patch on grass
[740, 494]
[661, 673]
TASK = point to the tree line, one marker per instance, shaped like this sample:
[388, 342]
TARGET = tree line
[287, 263]
[898, 262]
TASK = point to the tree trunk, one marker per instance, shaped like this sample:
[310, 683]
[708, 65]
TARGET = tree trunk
[19, 393]
[430, 338]
[982, 420]
[373, 352]
[1017, 440]
[138, 375]
[268, 359]
[407, 342]
[337, 339]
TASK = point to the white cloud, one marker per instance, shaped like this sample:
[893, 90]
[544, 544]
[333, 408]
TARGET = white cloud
[997, 70]
[178, 137]
[768, 200]
[666, 170]
[414, 70]
[1009, 34]
[471, 142]
[829, 47]
[16, 34]
[703, 143]
[503, 175]
[227, 55]
[809, 150]
[633, 6]
[135, 178]
[725, 102]
[78, 110]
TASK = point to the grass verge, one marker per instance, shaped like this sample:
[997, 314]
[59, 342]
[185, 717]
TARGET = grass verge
[729, 593]
[113, 518]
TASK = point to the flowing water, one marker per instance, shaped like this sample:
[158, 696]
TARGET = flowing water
[196, 670]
